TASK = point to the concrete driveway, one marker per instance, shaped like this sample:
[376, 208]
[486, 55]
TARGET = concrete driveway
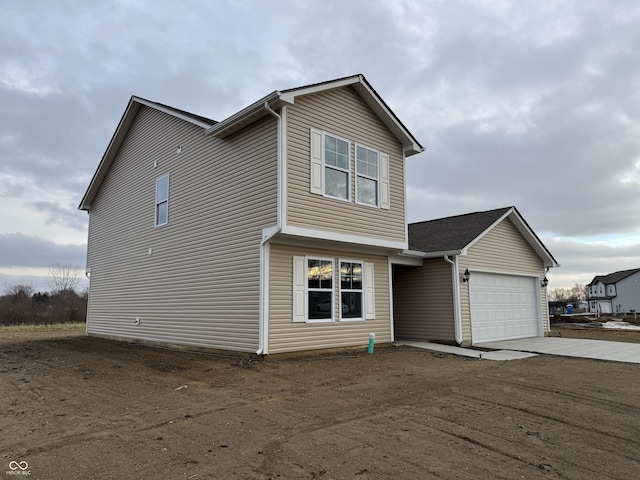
[571, 347]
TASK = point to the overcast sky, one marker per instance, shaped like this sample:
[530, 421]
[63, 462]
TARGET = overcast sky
[528, 103]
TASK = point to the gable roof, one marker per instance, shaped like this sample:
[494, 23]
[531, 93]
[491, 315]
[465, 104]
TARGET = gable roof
[281, 98]
[246, 116]
[455, 235]
[613, 277]
[121, 132]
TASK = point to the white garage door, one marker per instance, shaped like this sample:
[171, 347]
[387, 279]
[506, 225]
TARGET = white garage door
[503, 307]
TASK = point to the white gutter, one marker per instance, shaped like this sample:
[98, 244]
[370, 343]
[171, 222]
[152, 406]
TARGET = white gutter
[457, 316]
[268, 234]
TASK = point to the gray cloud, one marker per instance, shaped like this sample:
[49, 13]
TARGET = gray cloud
[19, 250]
[529, 104]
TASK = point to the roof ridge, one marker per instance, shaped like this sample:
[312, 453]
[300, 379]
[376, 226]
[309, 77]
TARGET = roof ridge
[184, 112]
[463, 215]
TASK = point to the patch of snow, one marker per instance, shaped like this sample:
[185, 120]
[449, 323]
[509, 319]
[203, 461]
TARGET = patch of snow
[620, 326]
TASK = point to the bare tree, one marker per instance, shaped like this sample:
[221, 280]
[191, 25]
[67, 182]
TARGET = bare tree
[63, 278]
[569, 295]
[22, 290]
[558, 295]
[15, 305]
[578, 292]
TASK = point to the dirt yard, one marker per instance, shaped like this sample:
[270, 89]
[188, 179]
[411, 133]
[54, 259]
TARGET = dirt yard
[82, 408]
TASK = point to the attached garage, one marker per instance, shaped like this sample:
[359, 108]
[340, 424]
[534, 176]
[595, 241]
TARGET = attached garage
[494, 267]
[503, 307]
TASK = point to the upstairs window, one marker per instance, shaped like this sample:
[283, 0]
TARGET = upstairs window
[162, 201]
[337, 171]
[330, 171]
[367, 176]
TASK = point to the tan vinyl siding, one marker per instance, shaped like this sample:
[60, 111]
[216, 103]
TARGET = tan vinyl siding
[200, 284]
[344, 113]
[502, 250]
[287, 336]
[423, 302]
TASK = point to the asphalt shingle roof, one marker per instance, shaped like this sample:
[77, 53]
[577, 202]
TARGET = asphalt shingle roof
[451, 233]
[184, 112]
[614, 277]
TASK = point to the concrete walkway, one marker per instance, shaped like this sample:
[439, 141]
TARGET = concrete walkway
[571, 347]
[467, 352]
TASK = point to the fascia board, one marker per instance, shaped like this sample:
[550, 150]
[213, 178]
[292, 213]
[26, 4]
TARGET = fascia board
[116, 140]
[448, 253]
[110, 153]
[220, 129]
[411, 146]
[413, 253]
[402, 259]
[533, 239]
[343, 238]
[487, 230]
[290, 95]
[171, 112]
[525, 231]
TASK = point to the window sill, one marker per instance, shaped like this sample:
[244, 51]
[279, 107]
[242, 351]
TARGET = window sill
[368, 205]
[348, 200]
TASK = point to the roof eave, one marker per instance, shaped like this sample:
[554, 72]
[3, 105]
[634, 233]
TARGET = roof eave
[526, 231]
[278, 99]
[444, 253]
[410, 145]
[375, 102]
[245, 116]
[118, 136]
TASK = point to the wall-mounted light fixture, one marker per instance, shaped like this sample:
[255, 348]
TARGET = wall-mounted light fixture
[544, 282]
[466, 275]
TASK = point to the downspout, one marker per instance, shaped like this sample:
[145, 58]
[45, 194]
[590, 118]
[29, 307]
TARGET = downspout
[268, 234]
[457, 317]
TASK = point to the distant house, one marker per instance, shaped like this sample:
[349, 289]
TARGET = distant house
[618, 292]
[283, 228]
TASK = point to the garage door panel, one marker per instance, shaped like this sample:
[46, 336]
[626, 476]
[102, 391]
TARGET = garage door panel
[503, 307]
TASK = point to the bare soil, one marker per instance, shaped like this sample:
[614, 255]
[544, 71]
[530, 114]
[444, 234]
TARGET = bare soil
[75, 407]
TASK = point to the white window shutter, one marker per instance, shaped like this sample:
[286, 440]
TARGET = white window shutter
[385, 200]
[369, 292]
[299, 287]
[316, 161]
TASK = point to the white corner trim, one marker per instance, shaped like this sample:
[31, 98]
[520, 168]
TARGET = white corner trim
[391, 318]
[263, 303]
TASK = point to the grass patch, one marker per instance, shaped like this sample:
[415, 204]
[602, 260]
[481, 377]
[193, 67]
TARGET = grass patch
[55, 328]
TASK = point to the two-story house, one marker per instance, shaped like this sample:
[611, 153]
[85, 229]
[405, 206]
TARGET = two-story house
[618, 292]
[271, 231]
[282, 228]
